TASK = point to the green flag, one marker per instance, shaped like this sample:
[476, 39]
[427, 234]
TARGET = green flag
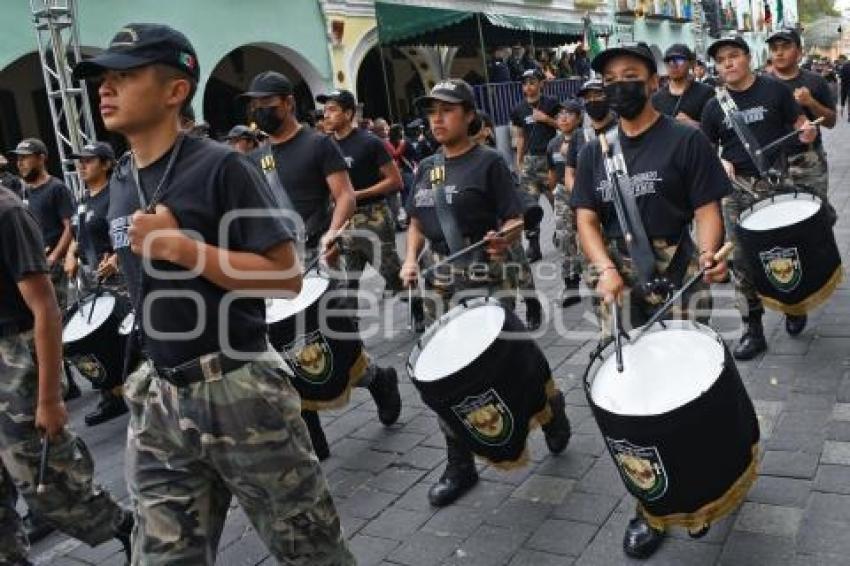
[594, 46]
[780, 14]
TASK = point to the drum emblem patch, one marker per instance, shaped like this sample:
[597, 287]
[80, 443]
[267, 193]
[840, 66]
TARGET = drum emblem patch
[90, 367]
[486, 417]
[311, 358]
[641, 468]
[783, 268]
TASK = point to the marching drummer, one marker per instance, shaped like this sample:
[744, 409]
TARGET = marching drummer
[675, 178]
[213, 413]
[682, 97]
[310, 170]
[92, 249]
[479, 198]
[769, 112]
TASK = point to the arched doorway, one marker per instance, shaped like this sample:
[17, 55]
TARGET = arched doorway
[405, 85]
[232, 76]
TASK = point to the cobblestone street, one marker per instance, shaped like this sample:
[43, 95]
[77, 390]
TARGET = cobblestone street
[572, 508]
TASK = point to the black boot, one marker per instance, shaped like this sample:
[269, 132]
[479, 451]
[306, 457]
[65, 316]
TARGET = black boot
[641, 540]
[752, 342]
[384, 390]
[571, 295]
[418, 310]
[109, 407]
[123, 533]
[557, 431]
[35, 527]
[317, 435]
[459, 476]
[533, 252]
[533, 313]
[794, 325]
[73, 391]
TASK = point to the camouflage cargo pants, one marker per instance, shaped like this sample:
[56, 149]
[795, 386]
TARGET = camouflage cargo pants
[810, 169]
[534, 176]
[637, 308]
[60, 285]
[517, 268]
[190, 449]
[380, 250]
[72, 503]
[566, 234]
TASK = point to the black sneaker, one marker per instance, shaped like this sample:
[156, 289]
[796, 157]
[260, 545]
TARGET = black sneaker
[123, 533]
[36, 528]
[558, 430]
[384, 390]
[73, 391]
[110, 407]
[794, 325]
[533, 313]
[640, 539]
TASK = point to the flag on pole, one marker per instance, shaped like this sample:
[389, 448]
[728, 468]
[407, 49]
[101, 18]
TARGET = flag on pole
[780, 14]
[594, 46]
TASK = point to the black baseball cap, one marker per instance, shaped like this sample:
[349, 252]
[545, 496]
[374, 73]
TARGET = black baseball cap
[535, 74]
[592, 84]
[138, 45]
[97, 149]
[240, 131]
[269, 83]
[344, 98]
[679, 50]
[453, 91]
[786, 34]
[640, 50]
[736, 41]
[30, 146]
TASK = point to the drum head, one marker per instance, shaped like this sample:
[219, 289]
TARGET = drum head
[780, 211]
[312, 290]
[127, 324]
[459, 340]
[664, 370]
[78, 326]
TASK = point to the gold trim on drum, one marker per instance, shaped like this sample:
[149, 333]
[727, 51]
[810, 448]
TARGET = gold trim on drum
[713, 511]
[355, 374]
[812, 301]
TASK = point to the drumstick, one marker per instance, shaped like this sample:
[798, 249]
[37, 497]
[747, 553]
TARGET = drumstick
[315, 261]
[41, 486]
[480, 243]
[618, 343]
[780, 140]
[410, 308]
[659, 314]
[94, 301]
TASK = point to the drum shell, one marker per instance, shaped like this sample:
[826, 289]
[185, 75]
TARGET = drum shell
[812, 243]
[703, 447]
[514, 369]
[343, 354]
[99, 356]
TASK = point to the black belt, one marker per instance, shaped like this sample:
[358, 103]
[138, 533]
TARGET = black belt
[206, 367]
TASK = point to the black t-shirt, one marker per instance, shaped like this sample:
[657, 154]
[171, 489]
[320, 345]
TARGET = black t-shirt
[691, 102]
[556, 156]
[303, 165]
[821, 92]
[537, 135]
[51, 203]
[768, 109]
[365, 154]
[209, 180]
[92, 227]
[479, 188]
[673, 169]
[21, 254]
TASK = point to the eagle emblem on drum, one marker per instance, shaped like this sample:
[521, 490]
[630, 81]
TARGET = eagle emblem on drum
[487, 418]
[641, 468]
[311, 358]
[783, 267]
[90, 368]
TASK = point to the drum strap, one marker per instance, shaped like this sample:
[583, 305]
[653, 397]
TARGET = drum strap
[742, 131]
[445, 215]
[267, 163]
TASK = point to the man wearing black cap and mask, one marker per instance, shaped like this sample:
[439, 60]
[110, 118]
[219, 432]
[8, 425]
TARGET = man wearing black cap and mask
[769, 111]
[601, 118]
[682, 98]
[675, 179]
[242, 138]
[212, 411]
[534, 127]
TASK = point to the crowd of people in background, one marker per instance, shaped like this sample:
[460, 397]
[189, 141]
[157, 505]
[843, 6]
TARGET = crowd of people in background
[507, 64]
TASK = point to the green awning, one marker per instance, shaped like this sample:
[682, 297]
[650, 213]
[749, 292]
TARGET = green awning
[416, 25]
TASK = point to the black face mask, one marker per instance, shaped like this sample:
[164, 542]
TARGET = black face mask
[626, 98]
[267, 119]
[597, 109]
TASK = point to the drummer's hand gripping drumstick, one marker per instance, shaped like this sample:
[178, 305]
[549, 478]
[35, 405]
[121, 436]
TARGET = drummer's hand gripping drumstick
[512, 229]
[41, 485]
[787, 136]
[721, 254]
[334, 241]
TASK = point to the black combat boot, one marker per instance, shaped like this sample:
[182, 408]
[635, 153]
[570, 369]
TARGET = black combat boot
[418, 310]
[459, 476]
[752, 342]
[35, 527]
[317, 435]
[557, 431]
[533, 313]
[109, 407]
[641, 540]
[123, 533]
[794, 325]
[384, 390]
[73, 391]
[533, 252]
[570, 295]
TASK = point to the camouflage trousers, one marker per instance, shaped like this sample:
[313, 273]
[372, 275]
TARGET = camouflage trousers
[375, 244]
[60, 285]
[566, 234]
[810, 169]
[534, 176]
[638, 308]
[190, 449]
[518, 269]
[72, 502]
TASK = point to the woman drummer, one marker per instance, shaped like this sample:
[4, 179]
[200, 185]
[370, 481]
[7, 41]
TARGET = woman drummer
[480, 198]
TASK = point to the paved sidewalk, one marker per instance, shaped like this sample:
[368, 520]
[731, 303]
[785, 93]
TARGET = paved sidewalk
[570, 509]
